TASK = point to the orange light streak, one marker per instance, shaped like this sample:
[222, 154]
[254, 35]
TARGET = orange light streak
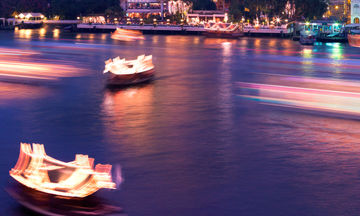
[36, 170]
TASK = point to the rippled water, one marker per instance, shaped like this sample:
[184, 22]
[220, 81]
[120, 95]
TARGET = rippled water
[257, 126]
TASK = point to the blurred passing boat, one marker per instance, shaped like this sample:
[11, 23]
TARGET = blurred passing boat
[43, 173]
[307, 38]
[127, 35]
[223, 30]
[354, 38]
[47, 204]
[121, 72]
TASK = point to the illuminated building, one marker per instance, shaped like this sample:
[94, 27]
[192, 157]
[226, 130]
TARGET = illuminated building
[337, 9]
[145, 8]
[222, 5]
[355, 11]
[344, 10]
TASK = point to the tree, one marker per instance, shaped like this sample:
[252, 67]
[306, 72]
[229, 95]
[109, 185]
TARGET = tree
[70, 9]
[203, 5]
[275, 8]
[310, 9]
[8, 7]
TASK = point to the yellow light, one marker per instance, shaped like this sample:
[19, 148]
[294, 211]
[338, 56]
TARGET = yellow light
[78, 18]
[336, 7]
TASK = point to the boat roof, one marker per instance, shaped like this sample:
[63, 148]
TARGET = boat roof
[31, 14]
[352, 25]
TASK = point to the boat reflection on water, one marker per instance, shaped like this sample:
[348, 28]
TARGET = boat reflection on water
[128, 108]
[216, 41]
[327, 96]
[13, 91]
[47, 204]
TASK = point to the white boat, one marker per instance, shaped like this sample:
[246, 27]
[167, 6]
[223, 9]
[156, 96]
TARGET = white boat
[36, 170]
[123, 72]
[127, 35]
[223, 30]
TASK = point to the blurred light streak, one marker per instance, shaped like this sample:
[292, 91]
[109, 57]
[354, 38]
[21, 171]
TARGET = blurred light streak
[24, 64]
[37, 170]
[335, 96]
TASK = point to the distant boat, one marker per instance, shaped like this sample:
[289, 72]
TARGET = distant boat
[307, 38]
[127, 35]
[354, 38]
[223, 30]
[122, 72]
[43, 173]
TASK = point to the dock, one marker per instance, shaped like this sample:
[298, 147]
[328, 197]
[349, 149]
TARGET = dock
[154, 29]
[282, 32]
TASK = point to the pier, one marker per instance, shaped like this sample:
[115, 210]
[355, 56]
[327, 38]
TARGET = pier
[158, 29]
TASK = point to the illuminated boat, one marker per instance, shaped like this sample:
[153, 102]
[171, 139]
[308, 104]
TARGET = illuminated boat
[127, 35]
[354, 38]
[307, 38]
[122, 72]
[43, 173]
[223, 30]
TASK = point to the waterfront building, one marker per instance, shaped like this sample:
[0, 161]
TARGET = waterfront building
[30, 16]
[355, 11]
[203, 16]
[222, 5]
[337, 10]
[144, 8]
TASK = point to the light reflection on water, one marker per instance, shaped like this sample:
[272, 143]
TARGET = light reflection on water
[187, 143]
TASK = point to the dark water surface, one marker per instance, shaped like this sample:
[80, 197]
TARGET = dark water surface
[257, 126]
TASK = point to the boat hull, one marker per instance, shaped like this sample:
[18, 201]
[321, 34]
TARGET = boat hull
[307, 41]
[129, 79]
[354, 40]
[48, 204]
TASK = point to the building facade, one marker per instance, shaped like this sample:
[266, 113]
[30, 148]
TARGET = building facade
[355, 11]
[141, 8]
[222, 5]
[338, 10]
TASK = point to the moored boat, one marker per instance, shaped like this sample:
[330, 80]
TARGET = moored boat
[122, 72]
[223, 30]
[307, 38]
[127, 35]
[354, 38]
